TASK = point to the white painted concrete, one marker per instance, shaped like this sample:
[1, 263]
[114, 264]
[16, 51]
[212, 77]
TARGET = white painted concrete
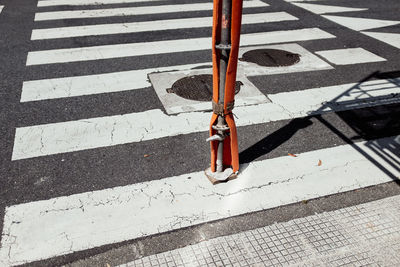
[392, 39]
[43, 3]
[133, 11]
[134, 27]
[137, 79]
[64, 137]
[162, 47]
[360, 24]
[349, 56]
[324, 9]
[58, 226]
[338, 97]
[92, 84]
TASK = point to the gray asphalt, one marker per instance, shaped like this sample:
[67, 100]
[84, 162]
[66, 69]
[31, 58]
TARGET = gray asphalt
[65, 174]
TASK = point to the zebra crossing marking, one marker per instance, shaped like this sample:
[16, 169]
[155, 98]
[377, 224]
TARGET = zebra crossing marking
[349, 56]
[136, 79]
[44, 3]
[392, 39]
[69, 136]
[92, 84]
[354, 23]
[360, 24]
[133, 11]
[43, 229]
[164, 47]
[324, 9]
[134, 27]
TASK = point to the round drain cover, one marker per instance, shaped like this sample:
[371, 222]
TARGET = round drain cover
[197, 87]
[271, 57]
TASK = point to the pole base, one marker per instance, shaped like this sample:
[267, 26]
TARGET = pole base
[220, 177]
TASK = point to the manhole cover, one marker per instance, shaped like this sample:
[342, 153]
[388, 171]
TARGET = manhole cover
[271, 57]
[197, 87]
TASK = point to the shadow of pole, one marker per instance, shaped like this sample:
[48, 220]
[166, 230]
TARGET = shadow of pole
[367, 93]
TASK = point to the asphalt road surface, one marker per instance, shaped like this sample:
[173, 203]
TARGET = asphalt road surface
[100, 165]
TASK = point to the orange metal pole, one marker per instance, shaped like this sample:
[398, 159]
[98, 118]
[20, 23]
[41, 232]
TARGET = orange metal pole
[223, 104]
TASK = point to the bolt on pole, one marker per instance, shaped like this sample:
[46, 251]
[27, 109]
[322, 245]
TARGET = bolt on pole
[225, 44]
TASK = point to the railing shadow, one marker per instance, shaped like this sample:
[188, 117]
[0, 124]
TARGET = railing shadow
[369, 108]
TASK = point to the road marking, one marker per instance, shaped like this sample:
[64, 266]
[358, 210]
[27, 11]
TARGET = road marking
[1, 8]
[92, 84]
[361, 24]
[64, 137]
[164, 47]
[43, 3]
[159, 25]
[324, 9]
[137, 79]
[349, 56]
[48, 228]
[392, 39]
[133, 11]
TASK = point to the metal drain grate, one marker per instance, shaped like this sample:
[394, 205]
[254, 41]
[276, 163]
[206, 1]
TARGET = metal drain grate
[197, 87]
[271, 57]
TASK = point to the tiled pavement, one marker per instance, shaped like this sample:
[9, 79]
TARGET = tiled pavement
[362, 235]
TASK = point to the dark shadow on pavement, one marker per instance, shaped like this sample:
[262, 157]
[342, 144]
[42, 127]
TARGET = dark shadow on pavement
[371, 108]
[273, 140]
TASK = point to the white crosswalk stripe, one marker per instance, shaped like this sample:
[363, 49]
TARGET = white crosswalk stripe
[119, 28]
[360, 24]
[163, 47]
[324, 9]
[148, 208]
[92, 84]
[130, 11]
[62, 137]
[43, 229]
[43, 3]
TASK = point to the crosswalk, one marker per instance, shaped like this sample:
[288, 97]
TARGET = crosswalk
[360, 24]
[46, 228]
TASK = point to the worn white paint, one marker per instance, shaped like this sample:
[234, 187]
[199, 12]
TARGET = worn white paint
[1, 8]
[43, 3]
[338, 97]
[360, 24]
[64, 137]
[349, 56]
[392, 39]
[133, 11]
[158, 25]
[43, 229]
[136, 79]
[324, 9]
[92, 84]
[163, 47]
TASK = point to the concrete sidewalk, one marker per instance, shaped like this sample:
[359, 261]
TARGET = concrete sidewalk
[365, 234]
